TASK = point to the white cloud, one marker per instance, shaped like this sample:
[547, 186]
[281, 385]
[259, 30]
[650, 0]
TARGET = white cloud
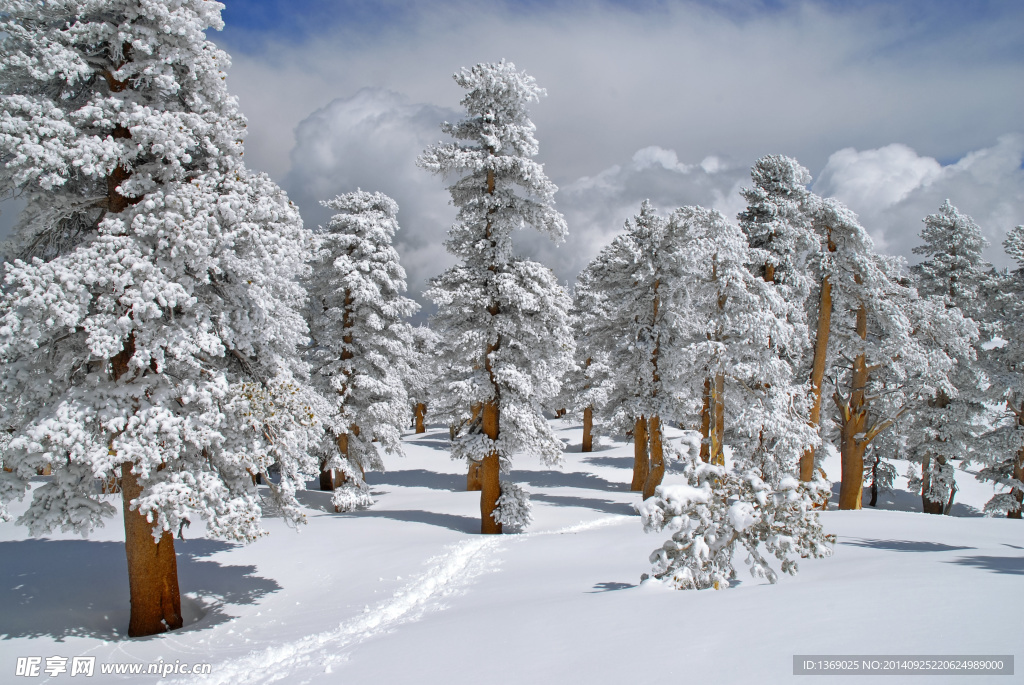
[371, 141]
[805, 79]
[876, 178]
[893, 188]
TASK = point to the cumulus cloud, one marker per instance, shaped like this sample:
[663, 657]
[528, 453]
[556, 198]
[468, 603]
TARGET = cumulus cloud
[738, 79]
[892, 188]
[371, 141]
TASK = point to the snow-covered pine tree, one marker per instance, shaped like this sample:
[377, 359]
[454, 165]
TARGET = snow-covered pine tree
[884, 340]
[362, 348]
[503, 321]
[1005, 363]
[150, 320]
[737, 331]
[634, 281]
[944, 428]
[778, 223]
[422, 372]
[585, 386]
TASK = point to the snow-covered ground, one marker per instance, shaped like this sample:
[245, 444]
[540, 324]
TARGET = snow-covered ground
[407, 592]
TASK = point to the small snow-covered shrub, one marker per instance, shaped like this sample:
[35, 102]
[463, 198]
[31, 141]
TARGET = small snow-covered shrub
[513, 508]
[351, 496]
[718, 511]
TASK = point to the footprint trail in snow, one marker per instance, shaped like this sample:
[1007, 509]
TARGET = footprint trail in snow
[447, 575]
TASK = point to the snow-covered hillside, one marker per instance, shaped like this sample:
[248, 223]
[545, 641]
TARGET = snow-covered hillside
[408, 592]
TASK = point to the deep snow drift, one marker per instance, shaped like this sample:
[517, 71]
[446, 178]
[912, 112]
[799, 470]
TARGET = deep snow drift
[407, 592]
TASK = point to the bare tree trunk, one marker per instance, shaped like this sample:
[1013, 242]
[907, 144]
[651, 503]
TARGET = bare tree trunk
[705, 423]
[490, 489]
[657, 471]
[929, 506]
[717, 446]
[474, 482]
[949, 503]
[818, 366]
[853, 439]
[152, 568]
[421, 413]
[641, 461]
[874, 482]
[588, 429]
[1018, 472]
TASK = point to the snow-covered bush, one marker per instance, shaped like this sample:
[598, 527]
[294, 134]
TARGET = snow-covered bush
[717, 513]
[513, 507]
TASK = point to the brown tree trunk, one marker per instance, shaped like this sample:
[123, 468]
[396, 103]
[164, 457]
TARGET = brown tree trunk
[490, 473]
[929, 506]
[641, 461]
[657, 471]
[588, 429]
[421, 413]
[874, 482]
[1018, 472]
[717, 446]
[474, 482]
[705, 423]
[152, 568]
[818, 366]
[853, 424]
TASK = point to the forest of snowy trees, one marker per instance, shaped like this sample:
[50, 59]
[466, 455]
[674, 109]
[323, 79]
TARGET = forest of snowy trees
[172, 335]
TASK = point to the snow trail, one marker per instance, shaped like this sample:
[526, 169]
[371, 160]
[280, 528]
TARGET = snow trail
[447, 574]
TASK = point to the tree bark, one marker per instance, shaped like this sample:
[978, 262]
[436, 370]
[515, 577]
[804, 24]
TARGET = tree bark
[152, 568]
[717, 446]
[421, 413]
[705, 423]
[657, 470]
[818, 366]
[853, 424]
[641, 461]
[1018, 472]
[874, 482]
[490, 471]
[588, 429]
[929, 506]
[474, 482]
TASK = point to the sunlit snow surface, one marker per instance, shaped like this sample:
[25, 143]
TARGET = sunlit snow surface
[407, 592]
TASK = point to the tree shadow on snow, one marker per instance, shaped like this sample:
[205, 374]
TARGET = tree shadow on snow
[1011, 565]
[613, 462]
[419, 478]
[566, 479]
[610, 587]
[903, 545]
[902, 500]
[607, 506]
[462, 524]
[79, 588]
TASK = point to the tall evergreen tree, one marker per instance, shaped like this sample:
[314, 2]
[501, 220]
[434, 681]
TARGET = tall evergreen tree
[944, 427]
[887, 346]
[633, 283]
[737, 334]
[151, 313]
[422, 372]
[362, 344]
[1005, 362]
[503, 320]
